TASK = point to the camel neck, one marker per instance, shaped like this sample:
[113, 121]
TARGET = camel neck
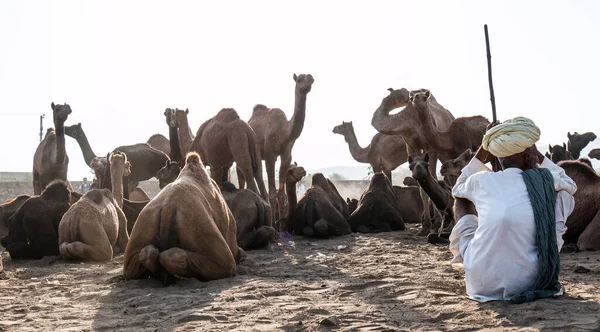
[86, 149]
[185, 134]
[290, 189]
[396, 124]
[59, 131]
[436, 193]
[358, 153]
[116, 181]
[175, 146]
[297, 120]
[439, 140]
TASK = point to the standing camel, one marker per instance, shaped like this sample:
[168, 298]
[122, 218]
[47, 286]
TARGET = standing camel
[384, 154]
[578, 142]
[50, 161]
[276, 136]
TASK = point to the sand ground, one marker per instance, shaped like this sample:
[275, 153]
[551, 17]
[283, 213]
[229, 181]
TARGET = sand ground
[380, 282]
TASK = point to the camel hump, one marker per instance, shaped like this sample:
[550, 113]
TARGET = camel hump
[192, 157]
[227, 115]
[259, 109]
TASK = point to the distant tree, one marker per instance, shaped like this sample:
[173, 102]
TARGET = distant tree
[337, 177]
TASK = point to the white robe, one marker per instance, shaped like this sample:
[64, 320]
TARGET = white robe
[498, 249]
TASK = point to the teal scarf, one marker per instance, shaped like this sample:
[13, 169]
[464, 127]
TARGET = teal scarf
[540, 188]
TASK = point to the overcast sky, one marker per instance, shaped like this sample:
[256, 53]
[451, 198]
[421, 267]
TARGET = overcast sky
[119, 64]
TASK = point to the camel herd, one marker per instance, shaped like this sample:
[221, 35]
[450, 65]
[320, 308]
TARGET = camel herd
[200, 225]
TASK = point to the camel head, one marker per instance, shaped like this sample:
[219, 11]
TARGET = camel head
[60, 112]
[304, 83]
[453, 167]
[419, 98]
[98, 165]
[419, 166]
[410, 182]
[396, 98]
[578, 141]
[180, 116]
[343, 129]
[295, 173]
[168, 173]
[559, 153]
[170, 117]
[74, 131]
[595, 153]
[118, 162]
[381, 181]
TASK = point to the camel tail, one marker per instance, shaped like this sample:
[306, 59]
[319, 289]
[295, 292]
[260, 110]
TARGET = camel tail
[264, 214]
[168, 236]
[253, 152]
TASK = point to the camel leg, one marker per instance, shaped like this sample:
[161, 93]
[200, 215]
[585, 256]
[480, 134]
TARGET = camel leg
[208, 265]
[241, 179]
[216, 174]
[37, 188]
[590, 238]
[336, 223]
[258, 238]
[94, 244]
[270, 165]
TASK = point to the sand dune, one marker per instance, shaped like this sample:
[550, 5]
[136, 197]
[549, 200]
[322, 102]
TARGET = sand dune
[382, 282]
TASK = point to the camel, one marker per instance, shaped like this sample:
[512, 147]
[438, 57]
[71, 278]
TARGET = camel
[316, 214]
[226, 138]
[95, 224]
[377, 210]
[463, 133]
[440, 195]
[384, 153]
[7, 209]
[32, 230]
[410, 182]
[294, 174]
[409, 202]
[186, 137]
[578, 142]
[352, 204]
[168, 173]
[559, 153]
[160, 143]
[594, 153]
[276, 136]
[50, 161]
[406, 124]
[175, 147]
[138, 194]
[583, 225]
[252, 216]
[187, 230]
[452, 168]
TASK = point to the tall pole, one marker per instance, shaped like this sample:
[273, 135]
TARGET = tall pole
[42, 125]
[489, 63]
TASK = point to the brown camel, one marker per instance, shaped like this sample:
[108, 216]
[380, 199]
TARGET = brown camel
[33, 229]
[294, 174]
[583, 225]
[226, 138]
[410, 204]
[276, 136]
[160, 143]
[384, 154]
[352, 204]
[440, 195]
[316, 214]
[252, 216]
[409, 181]
[168, 174]
[187, 230]
[463, 133]
[186, 137]
[406, 124]
[377, 210]
[175, 147]
[7, 209]
[452, 168]
[594, 153]
[559, 153]
[95, 224]
[578, 142]
[50, 161]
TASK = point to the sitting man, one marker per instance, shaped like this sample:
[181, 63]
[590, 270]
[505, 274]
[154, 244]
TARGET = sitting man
[511, 222]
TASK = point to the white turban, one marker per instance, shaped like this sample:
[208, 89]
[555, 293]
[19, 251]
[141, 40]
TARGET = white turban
[511, 137]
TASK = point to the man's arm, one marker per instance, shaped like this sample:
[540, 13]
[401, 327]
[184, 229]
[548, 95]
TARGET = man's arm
[565, 203]
[561, 180]
[467, 185]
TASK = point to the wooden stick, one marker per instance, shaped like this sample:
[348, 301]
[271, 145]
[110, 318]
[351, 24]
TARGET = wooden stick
[489, 63]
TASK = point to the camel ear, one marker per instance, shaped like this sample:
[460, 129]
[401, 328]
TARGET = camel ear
[391, 89]
[426, 157]
[564, 146]
[428, 94]
[295, 77]
[347, 200]
[52, 105]
[569, 134]
[295, 163]
[410, 159]
[187, 111]
[549, 147]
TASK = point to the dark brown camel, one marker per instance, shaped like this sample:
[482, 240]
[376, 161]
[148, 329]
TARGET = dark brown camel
[377, 210]
[384, 153]
[559, 153]
[168, 173]
[410, 204]
[452, 168]
[578, 142]
[175, 147]
[50, 161]
[294, 175]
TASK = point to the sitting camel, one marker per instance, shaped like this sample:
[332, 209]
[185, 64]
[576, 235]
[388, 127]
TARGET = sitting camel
[138, 195]
[7, 209]
[578, 142]
[452, 168]
[33, 229]
[439, 193]
[168, 173]
[252, 216]
[226, 138]
[294, 174]
[95, 224]
[187, 230]
[377, 210]
[384, 153]
[317, 213]
[409, 202]
[352, 204]
[50, 161]
[558, 153]
[583, 225]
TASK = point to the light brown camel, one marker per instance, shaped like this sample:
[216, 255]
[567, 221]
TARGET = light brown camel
[578, 142]
[463, 133]
[406, 124]
[226, 138]
[96, 224]
[559, 153]
[276, 136]
[186, 137]
[187, 230]
[594, 153]
[452, 168]
[160, 143]
[50, 161]
[384, 153]
[583, 225]
[252, 216]
[138, 194]
[294, 174]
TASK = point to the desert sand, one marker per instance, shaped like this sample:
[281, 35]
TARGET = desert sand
[375, 282]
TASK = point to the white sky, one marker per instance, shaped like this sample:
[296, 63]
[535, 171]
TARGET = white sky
[119, 64]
